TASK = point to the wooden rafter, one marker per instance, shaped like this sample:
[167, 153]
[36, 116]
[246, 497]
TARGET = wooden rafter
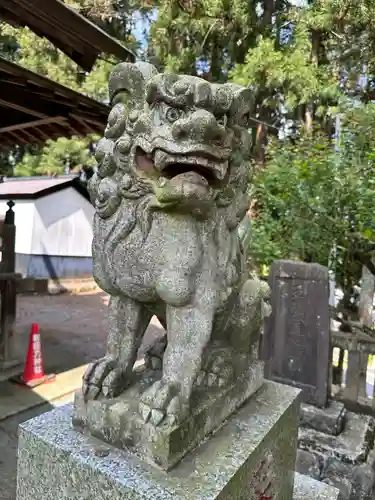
[84, 123]
[30, 138]
[17, 137]
[43, 109]
[42, 134]
[23, 109]
[32, 124]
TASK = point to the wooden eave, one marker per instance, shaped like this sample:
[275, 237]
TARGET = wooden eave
[76, 36]
[34, 109]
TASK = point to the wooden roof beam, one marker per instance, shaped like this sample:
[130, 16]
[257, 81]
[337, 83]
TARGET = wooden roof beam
[87, 120]
[31, 138]
[5, 140]
[23, 98]
[18, 138]
[44, 83]
[33, 124]
[41, 132]
[84, 124]
[23, 109]
[75, 35]
[72, 129]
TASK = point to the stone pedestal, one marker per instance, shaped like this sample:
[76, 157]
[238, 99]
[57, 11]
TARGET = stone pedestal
[250, 458]
[118, 422]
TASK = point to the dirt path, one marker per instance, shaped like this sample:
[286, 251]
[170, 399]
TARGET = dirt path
[73, 327]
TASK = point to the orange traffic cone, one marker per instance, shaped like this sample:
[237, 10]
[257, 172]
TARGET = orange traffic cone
[33, 374]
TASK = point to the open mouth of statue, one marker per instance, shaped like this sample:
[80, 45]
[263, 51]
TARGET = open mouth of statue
[194, 168]
[192, 172]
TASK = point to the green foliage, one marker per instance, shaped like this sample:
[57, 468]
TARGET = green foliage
[287, 75]
[312, 198]
[294, 206]
[209, 35]
[57, 157]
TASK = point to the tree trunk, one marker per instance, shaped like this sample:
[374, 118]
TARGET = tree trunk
[309, 117]
[315, 52]
[264, 113]
[268, 10]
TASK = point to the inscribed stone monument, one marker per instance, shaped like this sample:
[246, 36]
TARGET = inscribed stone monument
[297, 343]
[197, 421]
[334, 445]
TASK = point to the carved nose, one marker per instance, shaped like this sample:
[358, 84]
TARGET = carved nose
[200, 126]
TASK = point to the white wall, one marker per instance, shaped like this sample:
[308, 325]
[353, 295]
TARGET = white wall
[62, 225]
[24, 214]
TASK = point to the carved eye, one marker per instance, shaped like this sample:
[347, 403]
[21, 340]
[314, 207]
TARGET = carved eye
[173, 114]
[222, 120]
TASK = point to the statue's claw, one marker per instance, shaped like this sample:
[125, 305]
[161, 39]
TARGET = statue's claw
[102, 376]
[162, 403]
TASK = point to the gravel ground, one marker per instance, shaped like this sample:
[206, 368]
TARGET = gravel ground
[73, 328]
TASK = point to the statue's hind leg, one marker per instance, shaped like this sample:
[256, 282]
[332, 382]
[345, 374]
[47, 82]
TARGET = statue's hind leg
[236, 335]
[246, 323]
[110, 375]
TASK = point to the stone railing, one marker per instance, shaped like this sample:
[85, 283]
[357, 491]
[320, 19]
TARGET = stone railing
[353, 369]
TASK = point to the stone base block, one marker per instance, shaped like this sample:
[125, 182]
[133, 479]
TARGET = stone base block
[343, 461]
[118, 422]
[309, 463]
[10, 368]
[250, 458]
[306, 488]
[329, 420]
[352, 446]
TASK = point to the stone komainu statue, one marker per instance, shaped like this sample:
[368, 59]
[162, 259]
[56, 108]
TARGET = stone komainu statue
[170, 192]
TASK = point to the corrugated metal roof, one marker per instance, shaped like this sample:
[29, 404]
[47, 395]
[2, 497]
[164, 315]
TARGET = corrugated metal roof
[35, 187]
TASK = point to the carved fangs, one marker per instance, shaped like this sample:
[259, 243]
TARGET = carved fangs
[171, 166]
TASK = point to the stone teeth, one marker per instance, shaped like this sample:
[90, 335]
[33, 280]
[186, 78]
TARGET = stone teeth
[160, 158]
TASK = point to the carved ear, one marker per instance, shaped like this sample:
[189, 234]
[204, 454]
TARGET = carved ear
[127, 83]
[243, 105]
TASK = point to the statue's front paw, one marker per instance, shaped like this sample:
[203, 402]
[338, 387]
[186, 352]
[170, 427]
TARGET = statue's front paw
[103, 377]
[162, 403]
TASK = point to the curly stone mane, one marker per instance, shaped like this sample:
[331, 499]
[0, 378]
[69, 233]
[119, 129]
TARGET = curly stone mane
[121, 191]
